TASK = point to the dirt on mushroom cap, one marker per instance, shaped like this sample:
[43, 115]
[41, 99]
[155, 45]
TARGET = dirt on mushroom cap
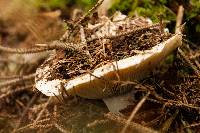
[69, 64]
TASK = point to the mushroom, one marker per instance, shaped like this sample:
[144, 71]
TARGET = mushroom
[98, 83]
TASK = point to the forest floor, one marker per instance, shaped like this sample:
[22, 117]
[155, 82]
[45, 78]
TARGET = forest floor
[172, 106]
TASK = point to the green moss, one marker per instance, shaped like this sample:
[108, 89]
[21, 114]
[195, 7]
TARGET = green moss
[51, 4]
[170, 59]
[197, 28]
[63, 4]
[121, 5]
[86, 4]
[146, 8]
[194, 10]
[192, 14]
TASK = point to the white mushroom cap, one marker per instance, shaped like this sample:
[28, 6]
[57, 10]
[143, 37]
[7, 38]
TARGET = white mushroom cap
[89, 86]
[129, 69]
[95, 85]
[47, 87]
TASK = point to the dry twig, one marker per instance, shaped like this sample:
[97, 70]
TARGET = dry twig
[12, 92]
[135, 110]
[61, 129]
[40, 122]
[9, 77]
[179, 19]
[134, 127]
[168, 122]
[192, 125]
[22, 50]
[17, 80]
[25, 112]
[89, 12]
[182, 54]
[42, 111]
